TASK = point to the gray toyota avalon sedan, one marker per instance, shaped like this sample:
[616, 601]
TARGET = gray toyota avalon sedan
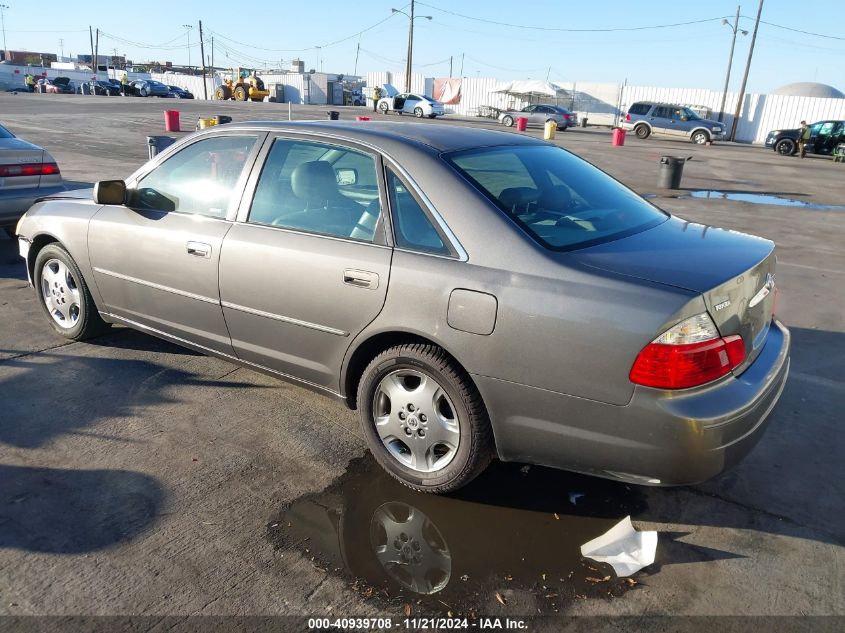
[473, 294]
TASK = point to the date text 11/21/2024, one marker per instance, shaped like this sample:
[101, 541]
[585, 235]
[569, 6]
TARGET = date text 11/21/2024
[420, 623]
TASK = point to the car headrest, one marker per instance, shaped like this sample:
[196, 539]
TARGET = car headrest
[314, 181]
[557, 198]
[517, 199]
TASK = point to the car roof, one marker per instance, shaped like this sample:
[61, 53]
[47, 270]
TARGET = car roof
[440, 137]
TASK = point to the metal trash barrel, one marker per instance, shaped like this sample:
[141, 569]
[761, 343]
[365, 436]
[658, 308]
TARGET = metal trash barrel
[171, 121]
[671, 170]
[583, 121]
[618, 138]
[156, 144]
[521, 123]
[549, 130]
[333, 115]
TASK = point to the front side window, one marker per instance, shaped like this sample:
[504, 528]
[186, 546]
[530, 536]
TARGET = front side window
[560, 200]
[199, 179]
[318, 188]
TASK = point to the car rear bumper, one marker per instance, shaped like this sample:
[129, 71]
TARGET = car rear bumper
[15, 202]
[658, 438]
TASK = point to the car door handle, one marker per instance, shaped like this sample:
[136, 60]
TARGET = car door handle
[199, 249]
[360, 278]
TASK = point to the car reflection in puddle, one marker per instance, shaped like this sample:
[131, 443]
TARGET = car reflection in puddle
[512, 537]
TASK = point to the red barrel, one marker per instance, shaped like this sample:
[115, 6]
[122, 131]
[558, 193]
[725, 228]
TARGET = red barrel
[521, 124]
[618, 136]
[362, 118]
[171, 121]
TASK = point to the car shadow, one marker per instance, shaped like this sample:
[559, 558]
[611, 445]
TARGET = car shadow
[44, 399]
[62, 511]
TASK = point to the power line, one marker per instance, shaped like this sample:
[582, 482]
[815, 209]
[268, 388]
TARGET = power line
[789, 28]
[550, 28]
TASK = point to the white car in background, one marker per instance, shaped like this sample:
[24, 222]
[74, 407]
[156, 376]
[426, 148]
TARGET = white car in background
[410, 103]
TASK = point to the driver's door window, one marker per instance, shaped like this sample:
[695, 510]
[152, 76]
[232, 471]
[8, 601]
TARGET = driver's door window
[200, 179]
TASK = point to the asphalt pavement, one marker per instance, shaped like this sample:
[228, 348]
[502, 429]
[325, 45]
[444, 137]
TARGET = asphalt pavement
[141, 479]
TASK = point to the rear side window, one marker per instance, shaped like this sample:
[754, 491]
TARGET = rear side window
[639, 108]
[560, 200]
[412, 228]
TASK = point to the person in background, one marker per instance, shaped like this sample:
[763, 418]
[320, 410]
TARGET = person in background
[376, 97]
[29, 80]
[124, 82]
[803, 137]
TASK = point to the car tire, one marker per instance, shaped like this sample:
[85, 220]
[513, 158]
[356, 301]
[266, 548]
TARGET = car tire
[442, 403]
[78, 317]
[699, 137]
[382, 107]
[507, 121]
[642, 131]
[786, 147]
[143, 92]
[418, 112]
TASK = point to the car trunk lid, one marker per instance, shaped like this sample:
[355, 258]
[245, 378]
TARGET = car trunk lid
[15, 156]
[733, 272]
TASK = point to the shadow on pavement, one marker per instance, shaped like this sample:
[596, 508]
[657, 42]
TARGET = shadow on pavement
[59, 511]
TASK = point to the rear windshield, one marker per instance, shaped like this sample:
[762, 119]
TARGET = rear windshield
[560, 200]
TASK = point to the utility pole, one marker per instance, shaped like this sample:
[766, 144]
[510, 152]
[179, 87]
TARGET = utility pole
[410, 57]
[741, 97]
[462, 64]
[734, 28]
[212, 54]
[93, 59]
[357, 51]
[62, 48]
[188, 28]
[3, 7]
[96, 58]
[450, 66]
[202, 59]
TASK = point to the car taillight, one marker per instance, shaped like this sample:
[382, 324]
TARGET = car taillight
[627, 117]
[689, 354]
[29, 169]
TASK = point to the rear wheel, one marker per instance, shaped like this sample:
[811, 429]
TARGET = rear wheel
[423, 419]
[507, 121]
[418, 112]
[786, 147]
[223, 93]
[382, 107]
[699, 137]
[642, 131]
[64, 296]
[240, 93]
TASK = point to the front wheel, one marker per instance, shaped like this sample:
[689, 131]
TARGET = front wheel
[507, 121]
[785, 147]
[700, 137]
[418, 113]
[382, 107]
[64, 296]
[423, 419]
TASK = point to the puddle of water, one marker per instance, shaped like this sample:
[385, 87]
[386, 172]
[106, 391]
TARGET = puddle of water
[763, 198]
[514, 532]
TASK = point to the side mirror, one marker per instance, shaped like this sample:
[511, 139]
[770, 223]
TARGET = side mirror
[110, 192]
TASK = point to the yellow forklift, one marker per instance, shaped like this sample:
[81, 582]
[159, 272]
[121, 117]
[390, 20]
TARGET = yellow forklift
[242, 86]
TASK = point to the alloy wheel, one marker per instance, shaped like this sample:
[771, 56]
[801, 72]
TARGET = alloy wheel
[60, 293]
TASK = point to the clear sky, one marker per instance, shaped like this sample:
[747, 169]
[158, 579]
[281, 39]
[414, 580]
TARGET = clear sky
[489, 34]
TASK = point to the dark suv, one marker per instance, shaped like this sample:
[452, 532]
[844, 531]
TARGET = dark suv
[824, 137]
[664, 119]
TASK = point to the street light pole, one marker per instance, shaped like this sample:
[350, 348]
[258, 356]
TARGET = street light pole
[734, 28]
[3, 7]
[745, 76]
[188, 28]
[409, 60]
